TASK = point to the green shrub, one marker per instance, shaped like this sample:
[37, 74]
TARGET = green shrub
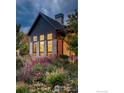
[64, 58]
[29, 81]
[57, 62]
[72, 70]
[51, 68]
[42, 79]
[74, 83]
[56, 77]
[37, 67]
[43, 91]
[23, 89]
[24, 50]
[19, 63]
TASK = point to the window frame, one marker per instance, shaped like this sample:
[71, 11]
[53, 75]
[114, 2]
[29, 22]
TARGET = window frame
[51, 39]
[43, 40]
[34, 43]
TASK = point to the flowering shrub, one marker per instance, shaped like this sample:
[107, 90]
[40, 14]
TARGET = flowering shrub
[25, 73]
[29, 71]
[56, 77]
[48, 72]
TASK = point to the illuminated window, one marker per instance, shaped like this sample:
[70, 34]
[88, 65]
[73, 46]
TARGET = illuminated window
[41, 37]
[34, 45]
[49, 36]
[35, 38]
[41, 45]
[50, 46]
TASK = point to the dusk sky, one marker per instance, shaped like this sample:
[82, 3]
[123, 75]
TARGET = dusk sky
[27, 10]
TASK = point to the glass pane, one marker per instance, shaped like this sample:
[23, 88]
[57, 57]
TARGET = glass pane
[42, 46]
[41, 37]
[49, 36]
[34, 47]
[49, 46]
[35, 38]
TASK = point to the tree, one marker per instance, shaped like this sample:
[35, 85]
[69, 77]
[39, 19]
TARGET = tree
[18, 27]
[72, 22]
[72, 32]
[21, 41]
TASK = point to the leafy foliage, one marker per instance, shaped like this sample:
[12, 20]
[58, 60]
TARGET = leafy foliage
[74, 83]
[37, 67]
[73, 22]
[51, 68]
[56, 77]
[72, 35]
[25, 73]
[18, 27]
[73, 44]
[19, 63]
[21, 41]
[48, 75]
[64, 57]
[23, 89]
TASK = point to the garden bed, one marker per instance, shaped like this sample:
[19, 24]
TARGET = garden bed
[45, 76]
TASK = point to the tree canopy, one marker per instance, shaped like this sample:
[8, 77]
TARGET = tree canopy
[72, 35]
[21, 41]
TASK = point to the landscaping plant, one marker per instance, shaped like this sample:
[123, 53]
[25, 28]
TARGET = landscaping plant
[37, 67]
[56, 77]
[23, 89]
[19, 63]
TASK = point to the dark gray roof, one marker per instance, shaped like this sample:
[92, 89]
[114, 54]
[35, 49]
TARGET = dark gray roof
[56, 25]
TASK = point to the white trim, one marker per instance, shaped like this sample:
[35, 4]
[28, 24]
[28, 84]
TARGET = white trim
[45, 48]
[37, 48]
[54, 46]
[31, 48]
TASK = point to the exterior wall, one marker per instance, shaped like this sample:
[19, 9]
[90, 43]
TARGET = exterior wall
[63, 48]
[60, 47]
[66, 50]
[42, 27]
[55, 47]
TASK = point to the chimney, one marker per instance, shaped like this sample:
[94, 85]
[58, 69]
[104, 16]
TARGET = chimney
[60, 18]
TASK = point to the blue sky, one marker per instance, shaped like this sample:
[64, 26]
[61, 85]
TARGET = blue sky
[27, 10]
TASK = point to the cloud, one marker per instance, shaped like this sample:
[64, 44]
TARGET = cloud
[27, 10]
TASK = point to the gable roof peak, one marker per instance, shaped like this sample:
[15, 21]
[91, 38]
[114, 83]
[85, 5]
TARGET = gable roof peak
[56, 25]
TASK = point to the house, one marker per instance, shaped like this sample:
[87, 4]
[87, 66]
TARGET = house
[45, 36]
